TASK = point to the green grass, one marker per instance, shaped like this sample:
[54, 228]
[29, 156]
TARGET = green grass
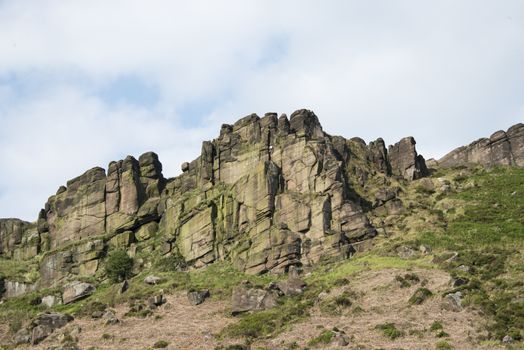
[18, 270]
[270, 322]
[323, 339]
[390, 330]
[489, 239]
[443, 345]
[493, 213]
[420, 295]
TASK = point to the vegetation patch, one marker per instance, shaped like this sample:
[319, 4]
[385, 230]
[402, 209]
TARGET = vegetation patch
[407, 280]
[323, 339]
[161, 344]
[269, 322]
[390, 330]
[119, 266]
[420, 295]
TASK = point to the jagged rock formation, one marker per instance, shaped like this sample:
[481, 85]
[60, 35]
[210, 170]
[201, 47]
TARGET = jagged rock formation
[501, 148]
[267, 194]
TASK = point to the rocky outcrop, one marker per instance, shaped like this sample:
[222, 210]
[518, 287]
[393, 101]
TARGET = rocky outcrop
[18, 239]
[41, 327]
[267, 194]
[501, 148]
[405, 161]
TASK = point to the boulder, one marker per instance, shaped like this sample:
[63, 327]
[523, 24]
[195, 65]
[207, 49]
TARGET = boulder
[292, 286]
[246, 298]
[197, 297]
[23, 336]
[152, 280]
[45, 324]
[156, 300]
[51, 300]
[77, 290]
[453, 302]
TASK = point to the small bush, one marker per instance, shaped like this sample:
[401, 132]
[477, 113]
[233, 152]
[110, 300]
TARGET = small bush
[441, 334]
[443, 345]
[119, 266]
[173, 262]
[160, 344]
[390, 330]
[420, 296]
[436, 326]
[336, 305]
[323, 339]
[407, 280]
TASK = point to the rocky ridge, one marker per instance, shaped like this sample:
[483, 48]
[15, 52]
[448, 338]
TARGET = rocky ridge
[267, 194]
[501, 148]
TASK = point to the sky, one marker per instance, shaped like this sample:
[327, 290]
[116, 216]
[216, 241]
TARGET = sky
[83, 83]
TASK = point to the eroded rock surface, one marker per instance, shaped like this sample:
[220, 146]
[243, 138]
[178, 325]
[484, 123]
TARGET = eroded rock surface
[501, 148]
[267, 194]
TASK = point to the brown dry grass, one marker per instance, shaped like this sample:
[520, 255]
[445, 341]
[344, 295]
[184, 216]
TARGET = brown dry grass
[181, 324]
[378, 295]
[382, 300]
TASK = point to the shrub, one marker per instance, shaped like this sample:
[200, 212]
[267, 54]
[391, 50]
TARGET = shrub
[436, 326]
[420, 296]
[119, 266]
[390, 330]
[443, 345]
[160, 344]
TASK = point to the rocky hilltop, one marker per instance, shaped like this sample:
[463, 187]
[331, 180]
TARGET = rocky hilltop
[268, 193]
[501, 148]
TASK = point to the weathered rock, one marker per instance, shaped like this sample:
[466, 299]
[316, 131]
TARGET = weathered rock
[45, 324]
[124, 286]
[405, 161]
[197, 297]
[292, 286]
[453, 302]
[23, 336]
[76, 290]
[501, 148]
[268, 193]
[51, 300]
[151, 279]
[156, 300]
[110, 318]
[245, 298]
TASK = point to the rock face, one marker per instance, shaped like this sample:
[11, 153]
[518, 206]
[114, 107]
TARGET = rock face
[501, 148]
[405, 161]
[267, 194]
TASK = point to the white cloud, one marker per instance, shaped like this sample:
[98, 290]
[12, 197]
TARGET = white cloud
[446, 72]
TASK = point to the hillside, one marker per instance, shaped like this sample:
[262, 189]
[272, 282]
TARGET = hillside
[279, 236]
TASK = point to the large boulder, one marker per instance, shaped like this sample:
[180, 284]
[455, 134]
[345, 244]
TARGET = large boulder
[76, 290]
[45, 324]
[247, 298]
[197, 297]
